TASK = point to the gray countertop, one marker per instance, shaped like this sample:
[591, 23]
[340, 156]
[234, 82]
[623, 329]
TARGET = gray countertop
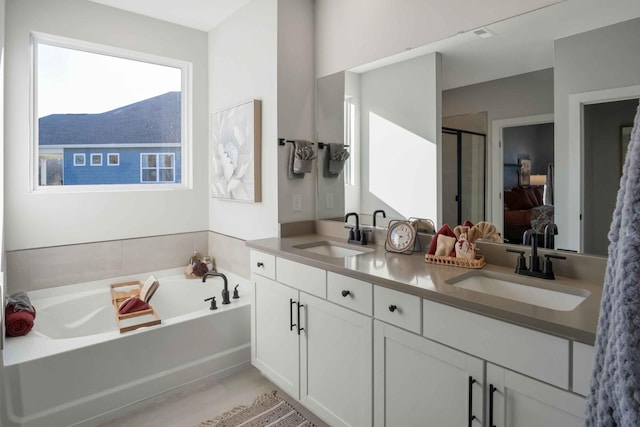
[411, 274]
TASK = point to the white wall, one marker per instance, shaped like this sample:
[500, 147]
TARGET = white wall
[296, 104]
[243, 65]
[40, 220]
[400, 102]
[355, 32]
[605, 58]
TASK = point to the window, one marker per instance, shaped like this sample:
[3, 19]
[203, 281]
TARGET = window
[107, 102]
[113, 159]
[157, 167]
[349, 140]
[96, 159]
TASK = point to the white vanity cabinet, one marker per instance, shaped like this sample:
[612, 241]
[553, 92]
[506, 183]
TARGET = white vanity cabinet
[418, 382]
[316, 351]
[514, 400]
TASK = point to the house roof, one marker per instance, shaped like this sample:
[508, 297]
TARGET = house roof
[151, 121]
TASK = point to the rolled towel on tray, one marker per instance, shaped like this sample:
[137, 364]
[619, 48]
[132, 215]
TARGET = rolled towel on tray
[19, 315]
[133, 304]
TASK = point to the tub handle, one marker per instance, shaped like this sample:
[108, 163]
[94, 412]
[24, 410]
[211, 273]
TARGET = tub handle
[291, 324]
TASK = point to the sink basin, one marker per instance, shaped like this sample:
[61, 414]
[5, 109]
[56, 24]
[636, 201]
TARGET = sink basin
[333, 249]
[547, 295]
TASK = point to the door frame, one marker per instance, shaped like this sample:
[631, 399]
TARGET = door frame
[577, 101]
[497, 155]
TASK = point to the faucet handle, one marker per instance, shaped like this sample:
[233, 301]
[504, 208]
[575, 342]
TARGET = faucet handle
[547, 269]
[213, 306]
[521, 261]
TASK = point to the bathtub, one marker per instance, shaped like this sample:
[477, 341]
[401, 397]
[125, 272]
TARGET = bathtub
[76, 368]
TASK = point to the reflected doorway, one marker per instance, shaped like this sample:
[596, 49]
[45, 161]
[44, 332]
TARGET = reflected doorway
[464, 159]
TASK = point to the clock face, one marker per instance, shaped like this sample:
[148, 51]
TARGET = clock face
[401, 236]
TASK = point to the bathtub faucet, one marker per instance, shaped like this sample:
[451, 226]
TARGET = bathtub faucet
[225, 291]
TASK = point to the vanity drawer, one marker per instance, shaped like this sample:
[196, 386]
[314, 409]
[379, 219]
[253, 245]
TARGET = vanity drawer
[582, 366]
[398, 308]
[308, 279]
[263, 264]
[359, 294]
[539, 355]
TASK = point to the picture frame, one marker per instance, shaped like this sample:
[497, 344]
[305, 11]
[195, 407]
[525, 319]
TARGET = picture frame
[524, 176]
[235, 156]
[625, 138]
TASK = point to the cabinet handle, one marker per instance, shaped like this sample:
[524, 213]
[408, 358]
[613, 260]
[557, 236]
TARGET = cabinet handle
[299, 328]
[291, 324]
[393, 308]
[471, 416]
[492, 389]
[260, 264]
[346, 293]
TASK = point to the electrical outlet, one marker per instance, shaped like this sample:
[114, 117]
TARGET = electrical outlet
[329, 201]
[297, 203]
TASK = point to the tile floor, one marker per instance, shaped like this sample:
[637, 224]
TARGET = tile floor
[205, 402]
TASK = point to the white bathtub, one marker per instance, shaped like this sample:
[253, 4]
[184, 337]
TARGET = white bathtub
[76, 368]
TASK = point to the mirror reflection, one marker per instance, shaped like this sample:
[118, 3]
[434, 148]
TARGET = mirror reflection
[541, 102]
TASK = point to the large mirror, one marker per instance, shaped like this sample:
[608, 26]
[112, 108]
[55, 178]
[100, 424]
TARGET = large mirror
[521, 123]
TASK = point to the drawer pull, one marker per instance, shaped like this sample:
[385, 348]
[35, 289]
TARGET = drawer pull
[346, 293]
[492, 390]
[291, 324]
[260, 264]
[393, 308]
[470, 400]
[299, 328]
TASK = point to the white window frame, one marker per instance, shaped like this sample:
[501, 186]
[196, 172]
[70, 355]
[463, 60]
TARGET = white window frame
[158, 168]
[186, 117]
[117, 163]
[97, 155]
[77, 156]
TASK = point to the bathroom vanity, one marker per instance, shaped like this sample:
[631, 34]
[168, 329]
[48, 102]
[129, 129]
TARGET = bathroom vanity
[364, 337]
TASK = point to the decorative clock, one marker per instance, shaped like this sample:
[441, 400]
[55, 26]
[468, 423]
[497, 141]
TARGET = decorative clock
[401, 237]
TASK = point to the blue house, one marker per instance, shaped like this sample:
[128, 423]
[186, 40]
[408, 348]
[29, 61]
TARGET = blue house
[136, 144]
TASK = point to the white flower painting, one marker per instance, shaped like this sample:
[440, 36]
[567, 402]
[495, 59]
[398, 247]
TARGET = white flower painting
[235, 152]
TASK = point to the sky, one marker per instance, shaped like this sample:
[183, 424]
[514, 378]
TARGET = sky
[73, 81]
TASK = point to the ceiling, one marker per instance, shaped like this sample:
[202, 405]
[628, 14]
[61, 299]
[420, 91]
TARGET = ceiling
[520, 45]
[202, 15]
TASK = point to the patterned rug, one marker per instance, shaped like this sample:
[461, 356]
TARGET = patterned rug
[267, 410]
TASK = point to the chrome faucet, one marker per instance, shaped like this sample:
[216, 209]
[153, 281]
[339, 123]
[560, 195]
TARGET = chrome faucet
[225, 291]
[550, 230]
[356, 236]
[376, 212]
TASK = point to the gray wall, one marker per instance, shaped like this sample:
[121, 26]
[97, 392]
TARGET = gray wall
[603, 166]
[330, 128]
[601, 59]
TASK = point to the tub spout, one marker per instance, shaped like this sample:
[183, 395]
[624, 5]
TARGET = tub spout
[225, 291]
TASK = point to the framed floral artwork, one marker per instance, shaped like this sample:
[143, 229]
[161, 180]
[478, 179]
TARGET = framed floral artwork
[235, 152]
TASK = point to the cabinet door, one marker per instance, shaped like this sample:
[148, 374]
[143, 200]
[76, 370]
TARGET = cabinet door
[335, 357]
[418, 382]
[275, 344]
[519, 401]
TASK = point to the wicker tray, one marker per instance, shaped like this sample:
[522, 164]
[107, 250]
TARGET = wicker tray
[118, 296]
[478, 262]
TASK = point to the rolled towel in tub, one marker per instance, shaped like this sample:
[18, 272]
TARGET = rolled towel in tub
[18, 323]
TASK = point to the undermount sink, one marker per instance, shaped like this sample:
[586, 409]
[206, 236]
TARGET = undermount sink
[333, 249]
[548, 295]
